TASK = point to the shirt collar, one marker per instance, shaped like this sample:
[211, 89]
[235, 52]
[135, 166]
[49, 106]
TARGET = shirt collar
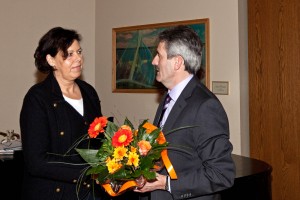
[176, 91]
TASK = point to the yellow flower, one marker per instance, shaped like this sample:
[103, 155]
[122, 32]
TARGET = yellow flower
[120, 153]
[132, 149]
[112, 165]
[133, 159]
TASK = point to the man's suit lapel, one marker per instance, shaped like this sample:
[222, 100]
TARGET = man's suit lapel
[180, 104]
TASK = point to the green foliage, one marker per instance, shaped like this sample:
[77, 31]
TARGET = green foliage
[89, 155]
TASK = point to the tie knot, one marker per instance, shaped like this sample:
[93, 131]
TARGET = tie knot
[167, 101]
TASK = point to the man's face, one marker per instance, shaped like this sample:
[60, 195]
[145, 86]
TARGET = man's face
[164, 67]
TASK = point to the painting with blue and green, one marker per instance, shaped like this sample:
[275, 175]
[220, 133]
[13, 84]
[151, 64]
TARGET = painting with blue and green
[135, 50]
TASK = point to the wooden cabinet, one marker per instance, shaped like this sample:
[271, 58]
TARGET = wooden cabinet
[274, 91]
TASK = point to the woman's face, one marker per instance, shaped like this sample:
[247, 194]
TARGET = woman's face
[70, 68]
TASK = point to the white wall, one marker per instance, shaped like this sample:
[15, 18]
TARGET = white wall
[22, 24]
[225, 39]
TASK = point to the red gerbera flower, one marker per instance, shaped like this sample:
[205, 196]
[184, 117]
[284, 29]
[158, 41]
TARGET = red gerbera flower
[97, 126]
[122, 137]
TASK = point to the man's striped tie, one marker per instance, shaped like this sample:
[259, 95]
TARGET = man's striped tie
[166, 104]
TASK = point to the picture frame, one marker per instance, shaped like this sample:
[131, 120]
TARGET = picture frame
[134, 47]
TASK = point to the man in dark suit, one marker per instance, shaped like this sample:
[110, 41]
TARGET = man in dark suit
[203, 164]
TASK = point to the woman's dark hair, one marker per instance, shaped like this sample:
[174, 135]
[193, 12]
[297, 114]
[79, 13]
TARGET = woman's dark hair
[55, 40]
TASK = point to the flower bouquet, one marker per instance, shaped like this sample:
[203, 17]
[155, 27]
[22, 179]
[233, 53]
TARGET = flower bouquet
[128, 157]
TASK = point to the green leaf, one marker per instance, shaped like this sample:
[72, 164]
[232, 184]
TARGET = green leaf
[180, 128]
[101, 171]
[97, 170]
[110, 130]
[89, 155]
[149, 175]
[122, 174]
[146, 163]
[137, 173]
[153, 136]
[142, 134]
[128, 123]
[142, 124]
[105, 150]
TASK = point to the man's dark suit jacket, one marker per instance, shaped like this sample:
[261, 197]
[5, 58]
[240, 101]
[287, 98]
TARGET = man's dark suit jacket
[49, 126]
[203, 165]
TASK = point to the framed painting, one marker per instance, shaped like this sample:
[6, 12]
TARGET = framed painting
[133, 49]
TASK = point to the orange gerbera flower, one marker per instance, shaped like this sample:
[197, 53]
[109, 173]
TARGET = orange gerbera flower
[122, 138]
[97, 126]
[144, 147]
[125, 127]
[149, 127]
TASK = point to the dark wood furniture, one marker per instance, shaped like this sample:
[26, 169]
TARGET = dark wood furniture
[252, 182]
[11, 175]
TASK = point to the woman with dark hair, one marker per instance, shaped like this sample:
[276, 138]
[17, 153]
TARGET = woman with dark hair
[55, 114]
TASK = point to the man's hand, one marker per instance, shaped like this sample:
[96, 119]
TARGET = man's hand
[158, 184]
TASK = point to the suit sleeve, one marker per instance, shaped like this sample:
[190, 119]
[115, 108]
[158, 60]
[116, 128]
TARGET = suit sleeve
[215, 169]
